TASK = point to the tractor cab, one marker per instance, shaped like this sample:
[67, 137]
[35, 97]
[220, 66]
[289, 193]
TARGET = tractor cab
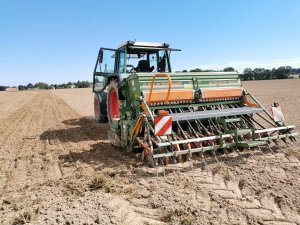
[113, 65]
[130, 57]
[144, 57]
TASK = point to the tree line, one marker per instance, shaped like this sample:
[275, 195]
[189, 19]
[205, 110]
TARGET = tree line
[283, 72]
[45, 86]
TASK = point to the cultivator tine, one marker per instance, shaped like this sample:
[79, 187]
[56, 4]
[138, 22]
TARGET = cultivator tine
[293, 139]
[238, 152]
[294, 144]
[251, 153]
[270, 149]
[259, 148]
[278, 145]
[190, 162]
[176, 164]
[215, 156]
[156, 167]
[286, 142]
[226, 153]
[203, 159]
[164, 168]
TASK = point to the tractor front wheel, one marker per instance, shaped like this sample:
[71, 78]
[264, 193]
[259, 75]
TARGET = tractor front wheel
[100, 108]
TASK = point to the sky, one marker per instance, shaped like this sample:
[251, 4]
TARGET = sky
[58, 41]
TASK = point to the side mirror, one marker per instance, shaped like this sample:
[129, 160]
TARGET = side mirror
[100, 59]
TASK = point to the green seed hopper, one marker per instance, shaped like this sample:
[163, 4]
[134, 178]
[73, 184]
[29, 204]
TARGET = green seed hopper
[171, 116]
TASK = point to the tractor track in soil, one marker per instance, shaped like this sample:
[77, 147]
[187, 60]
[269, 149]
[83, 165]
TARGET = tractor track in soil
[32, 164]
[57, 167]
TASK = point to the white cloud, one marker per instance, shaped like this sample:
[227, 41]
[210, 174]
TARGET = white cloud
[241, 65]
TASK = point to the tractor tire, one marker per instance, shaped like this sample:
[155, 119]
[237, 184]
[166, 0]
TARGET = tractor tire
[100, 108]
[112, 101]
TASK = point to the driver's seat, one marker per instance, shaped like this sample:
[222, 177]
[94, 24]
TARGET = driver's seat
[143, 66]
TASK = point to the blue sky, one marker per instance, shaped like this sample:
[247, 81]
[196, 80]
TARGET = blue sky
[58, 41]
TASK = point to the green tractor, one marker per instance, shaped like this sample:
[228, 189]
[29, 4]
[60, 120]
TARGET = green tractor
[171, 116]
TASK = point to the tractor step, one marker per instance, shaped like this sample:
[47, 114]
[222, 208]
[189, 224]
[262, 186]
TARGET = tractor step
[250, 144]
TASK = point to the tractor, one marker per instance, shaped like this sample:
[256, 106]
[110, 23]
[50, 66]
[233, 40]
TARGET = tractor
[171, 116]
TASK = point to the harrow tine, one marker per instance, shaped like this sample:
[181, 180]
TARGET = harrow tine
[293, 139]
[249, 149]
[259, 148]
[270, 149]
[286, 142]
[176, 164]
[215, 156]
[294, 143]
[156, 167]
[164, 168]
[203, 159]
[190, 163]
[238, 152]
[279, 146]
[227, 153]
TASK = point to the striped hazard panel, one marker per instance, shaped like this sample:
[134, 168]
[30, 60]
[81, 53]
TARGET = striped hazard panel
[163, 125]
[277, 114]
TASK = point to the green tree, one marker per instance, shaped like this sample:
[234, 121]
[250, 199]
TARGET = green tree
[29, 85]
[196, 70]
[41, 85]
[248, 74]
[21, 87]
[82, 84]
[268, 74]
[283, 72]
[228, 69]
[3, 88]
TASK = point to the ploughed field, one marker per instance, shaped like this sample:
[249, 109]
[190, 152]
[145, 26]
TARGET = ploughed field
[57, 167]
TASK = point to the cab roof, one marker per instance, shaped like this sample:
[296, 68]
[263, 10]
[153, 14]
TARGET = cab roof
[144, 44]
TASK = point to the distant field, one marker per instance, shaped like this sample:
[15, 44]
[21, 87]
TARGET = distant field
[81, 99]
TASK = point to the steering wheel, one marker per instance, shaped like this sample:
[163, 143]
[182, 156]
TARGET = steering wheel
[130, 68]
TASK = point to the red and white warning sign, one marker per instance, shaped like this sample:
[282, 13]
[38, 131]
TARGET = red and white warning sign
[163, 125]
[277, 113]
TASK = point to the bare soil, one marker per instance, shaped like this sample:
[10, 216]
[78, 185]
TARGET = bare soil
[57, 167]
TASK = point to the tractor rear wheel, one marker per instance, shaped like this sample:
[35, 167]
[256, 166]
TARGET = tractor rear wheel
[113, 113]
[100, 108]
[112, 101]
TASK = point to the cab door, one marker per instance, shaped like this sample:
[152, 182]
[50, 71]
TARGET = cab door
[105, 68]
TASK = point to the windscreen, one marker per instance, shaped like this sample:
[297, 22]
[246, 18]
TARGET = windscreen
[144, 60]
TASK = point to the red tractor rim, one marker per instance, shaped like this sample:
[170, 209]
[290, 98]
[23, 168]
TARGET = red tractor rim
[113, 105]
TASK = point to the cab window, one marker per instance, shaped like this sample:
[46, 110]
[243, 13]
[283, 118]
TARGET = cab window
[122, 60]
